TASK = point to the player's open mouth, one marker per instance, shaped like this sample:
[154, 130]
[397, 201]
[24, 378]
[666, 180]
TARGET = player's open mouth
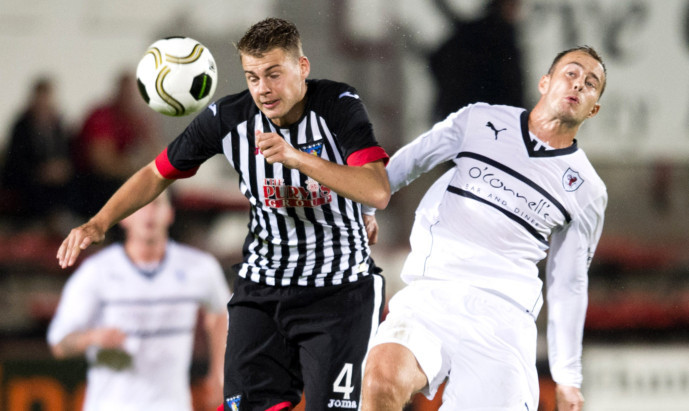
[270, 104]
[573, 99]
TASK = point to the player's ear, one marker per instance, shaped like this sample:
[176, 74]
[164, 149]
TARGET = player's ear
[543, 83]
[304, 66]
[594, 111]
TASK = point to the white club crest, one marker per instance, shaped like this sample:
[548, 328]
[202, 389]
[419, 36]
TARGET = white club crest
[571, 180]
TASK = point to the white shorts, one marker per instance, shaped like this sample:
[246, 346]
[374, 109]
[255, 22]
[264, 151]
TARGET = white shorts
[484, 345]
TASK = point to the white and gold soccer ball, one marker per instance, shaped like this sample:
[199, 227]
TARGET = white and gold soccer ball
[177, 76]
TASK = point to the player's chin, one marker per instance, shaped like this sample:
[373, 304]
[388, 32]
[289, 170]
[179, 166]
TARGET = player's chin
[271, 112]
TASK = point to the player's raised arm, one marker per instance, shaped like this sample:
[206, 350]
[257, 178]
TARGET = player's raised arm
[144, 186]
[366, 184]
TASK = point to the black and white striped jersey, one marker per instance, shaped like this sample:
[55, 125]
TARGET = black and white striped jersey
[300, 232]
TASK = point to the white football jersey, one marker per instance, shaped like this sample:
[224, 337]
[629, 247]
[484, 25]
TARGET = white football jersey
[507, 202]
[156, 309]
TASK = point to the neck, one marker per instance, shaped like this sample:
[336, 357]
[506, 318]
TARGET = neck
[552, 130]
[145, 251]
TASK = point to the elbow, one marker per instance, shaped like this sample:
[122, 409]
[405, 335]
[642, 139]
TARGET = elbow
[380, 199]
[382, 202]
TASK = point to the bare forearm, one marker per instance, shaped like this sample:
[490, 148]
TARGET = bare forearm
[216, 329]
[143, 187]
[72, 345]
[367, 184]
[139, 190]
[77, 342]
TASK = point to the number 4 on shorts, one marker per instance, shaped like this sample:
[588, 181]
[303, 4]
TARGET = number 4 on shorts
[343, 382]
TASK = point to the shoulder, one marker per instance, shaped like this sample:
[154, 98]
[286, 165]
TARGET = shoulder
[236, 100]
[585, 164]
[230, 107]
[223, 115]
[328, 91]
[325, 86]
[100, 113]
[106, 255]
[495, 109]
[593, 186]
[92, 267]
[483, 114]
[191, 256]
[233, 107]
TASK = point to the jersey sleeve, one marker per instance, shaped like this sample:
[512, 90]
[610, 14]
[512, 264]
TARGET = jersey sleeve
[201, 140]
[353, 128]
[570, 254]
[79, 305]
[441, 143]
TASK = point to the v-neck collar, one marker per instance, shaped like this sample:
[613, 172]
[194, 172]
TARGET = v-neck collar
[530, 144]
[149, 274]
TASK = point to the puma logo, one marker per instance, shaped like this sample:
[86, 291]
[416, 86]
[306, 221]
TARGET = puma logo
[495, 130]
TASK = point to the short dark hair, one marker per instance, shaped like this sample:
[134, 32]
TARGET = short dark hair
[588, 50]
[269, 34]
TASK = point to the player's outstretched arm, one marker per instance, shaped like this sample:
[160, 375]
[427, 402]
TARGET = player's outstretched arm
[216, 329]
[77, 343]
[367, 184]
[142, 188]
[568, 398]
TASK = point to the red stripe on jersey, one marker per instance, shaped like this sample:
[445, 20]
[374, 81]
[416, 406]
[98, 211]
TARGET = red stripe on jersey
[167, 170]
[282, 406]
[368, 155]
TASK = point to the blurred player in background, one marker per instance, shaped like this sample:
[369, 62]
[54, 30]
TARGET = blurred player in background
[132, 310]
[308, 297]
[520, 188]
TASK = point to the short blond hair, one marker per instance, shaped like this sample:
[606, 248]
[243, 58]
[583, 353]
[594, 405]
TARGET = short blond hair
[269, 34]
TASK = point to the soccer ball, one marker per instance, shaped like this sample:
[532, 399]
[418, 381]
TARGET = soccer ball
[177, 76]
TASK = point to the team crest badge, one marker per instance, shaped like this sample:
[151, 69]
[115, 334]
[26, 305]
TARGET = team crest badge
[312, 148]
[233, 402]
[571, 180]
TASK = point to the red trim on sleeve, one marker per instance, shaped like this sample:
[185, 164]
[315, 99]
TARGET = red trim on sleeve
[167, 170]
[368, 155]
[281, 407]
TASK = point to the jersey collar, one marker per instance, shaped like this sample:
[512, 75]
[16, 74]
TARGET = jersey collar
[542, 152]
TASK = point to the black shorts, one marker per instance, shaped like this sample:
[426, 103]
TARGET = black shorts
[283, 341]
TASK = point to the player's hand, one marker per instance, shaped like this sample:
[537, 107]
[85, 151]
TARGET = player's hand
[110, 343]
[276, 150]
[568, 398]
[107, 338]
[371, 228]
[77, 240]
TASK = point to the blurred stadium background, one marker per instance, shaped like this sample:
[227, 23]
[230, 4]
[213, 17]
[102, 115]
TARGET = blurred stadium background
[636, 353]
